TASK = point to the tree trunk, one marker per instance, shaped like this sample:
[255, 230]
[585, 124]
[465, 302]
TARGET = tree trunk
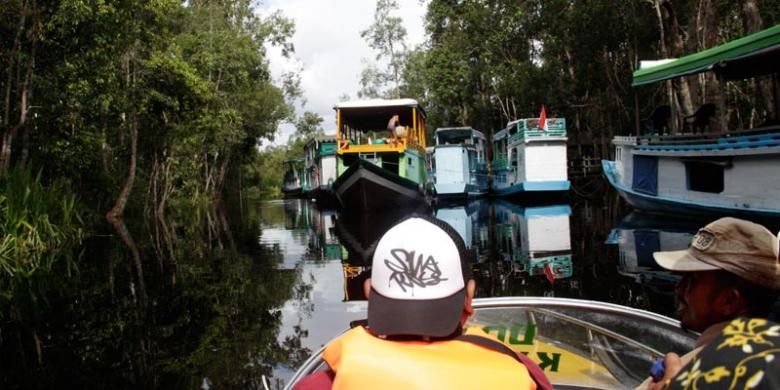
[119, 225]
[13, 58]
[677, 49]
[707, 30]
[118, 210]
[754, 23]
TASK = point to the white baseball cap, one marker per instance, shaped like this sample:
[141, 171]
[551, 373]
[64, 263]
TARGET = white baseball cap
[419, 273]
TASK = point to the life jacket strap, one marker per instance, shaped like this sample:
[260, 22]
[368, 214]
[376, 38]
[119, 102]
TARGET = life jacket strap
[533, 369]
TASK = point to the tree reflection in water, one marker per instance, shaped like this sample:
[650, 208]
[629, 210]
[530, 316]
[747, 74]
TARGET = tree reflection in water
[212, 318]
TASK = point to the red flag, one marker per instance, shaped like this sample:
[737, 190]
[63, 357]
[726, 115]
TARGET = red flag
[548, 269]
[543, 119]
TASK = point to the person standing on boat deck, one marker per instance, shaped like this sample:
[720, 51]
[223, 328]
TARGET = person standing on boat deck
[731, 269]
[394, 129]
[419, 298]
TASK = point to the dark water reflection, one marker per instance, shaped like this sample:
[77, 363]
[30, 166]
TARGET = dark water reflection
[239, 295]
[578, 250]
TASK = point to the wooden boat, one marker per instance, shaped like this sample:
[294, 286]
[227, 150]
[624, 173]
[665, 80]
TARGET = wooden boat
[378, 169]
[459, 163]
[731, 172]
[293, 178]
[577, 343]
[528, 159]
[320, 168]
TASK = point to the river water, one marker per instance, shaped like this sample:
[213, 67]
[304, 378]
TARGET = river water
[244, 293]
[583, 249]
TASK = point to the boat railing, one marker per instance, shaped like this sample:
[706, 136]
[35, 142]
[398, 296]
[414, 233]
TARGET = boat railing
[529, 128]
[621, 139]
[730, 141]
[596, 329]
[548, 306]
[536, 134]
[719, 137]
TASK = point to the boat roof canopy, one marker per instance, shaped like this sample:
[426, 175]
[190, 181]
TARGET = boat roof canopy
[374, 114]
[457, 134]
[750, 56]
[322, 138]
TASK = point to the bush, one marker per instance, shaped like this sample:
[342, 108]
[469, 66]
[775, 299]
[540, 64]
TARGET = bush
[39, 226]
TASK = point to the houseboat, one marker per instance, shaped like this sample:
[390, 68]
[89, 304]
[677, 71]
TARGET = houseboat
[530, 157]
[724, 173]
[577, 343]
[381, 165]
[535, 241]
[294, 178]
[320, 168]
[458, 163]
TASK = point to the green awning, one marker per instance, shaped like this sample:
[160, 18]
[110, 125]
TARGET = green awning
[754, 55]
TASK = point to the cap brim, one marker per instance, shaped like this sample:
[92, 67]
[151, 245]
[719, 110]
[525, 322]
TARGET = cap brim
[432, 318]
[681, 261]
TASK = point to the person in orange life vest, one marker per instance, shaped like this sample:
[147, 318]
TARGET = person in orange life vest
[419, 298]
[731, 269]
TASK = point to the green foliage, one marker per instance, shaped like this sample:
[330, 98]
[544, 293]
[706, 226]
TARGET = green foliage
[308, 126]
[270, 168]
[192, 78]
[484, 64]
[387, 36]
[39, 227]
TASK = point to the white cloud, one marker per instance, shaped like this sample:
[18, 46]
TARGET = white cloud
[329, 49]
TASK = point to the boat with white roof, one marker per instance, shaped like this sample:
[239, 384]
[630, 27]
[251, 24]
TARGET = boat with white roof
[379, 167]
[529, 157]
[459, 163]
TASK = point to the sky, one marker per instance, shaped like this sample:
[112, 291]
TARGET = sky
[329, 50]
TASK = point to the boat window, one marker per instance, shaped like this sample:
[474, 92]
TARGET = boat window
[704, 176]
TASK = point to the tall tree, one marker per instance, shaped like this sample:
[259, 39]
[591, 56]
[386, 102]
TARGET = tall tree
[22, 31]
[308, 125]
[387, 36]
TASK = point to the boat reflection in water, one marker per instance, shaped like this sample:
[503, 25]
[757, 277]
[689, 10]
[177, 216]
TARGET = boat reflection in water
[638, 235]
[324, 240]
[469, 220]
[534, 240]
[522, 256]
[358, 234]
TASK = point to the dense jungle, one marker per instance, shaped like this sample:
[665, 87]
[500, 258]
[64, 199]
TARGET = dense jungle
[137, 135]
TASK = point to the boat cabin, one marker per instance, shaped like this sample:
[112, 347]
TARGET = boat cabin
[530, 157]
[458, 162]
[320, 162]
[362, 133]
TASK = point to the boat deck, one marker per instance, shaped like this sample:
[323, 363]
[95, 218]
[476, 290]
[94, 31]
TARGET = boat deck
[749, 141]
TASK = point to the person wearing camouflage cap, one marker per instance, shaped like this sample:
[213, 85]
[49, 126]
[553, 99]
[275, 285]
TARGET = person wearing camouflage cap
[730, 270]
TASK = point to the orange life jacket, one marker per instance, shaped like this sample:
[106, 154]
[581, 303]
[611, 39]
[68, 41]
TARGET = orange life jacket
[364, 361]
